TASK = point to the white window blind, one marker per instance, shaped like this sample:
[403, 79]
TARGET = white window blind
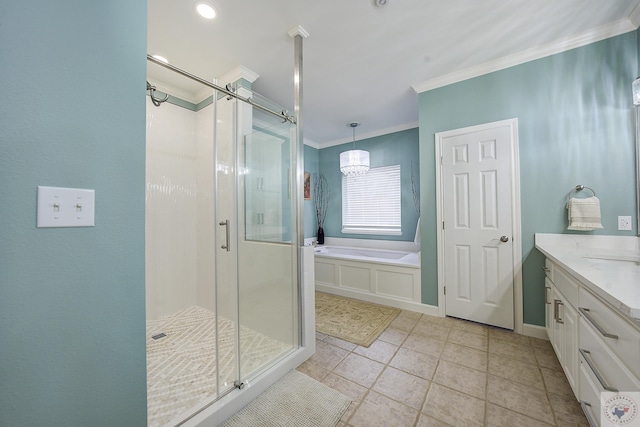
[371, 203]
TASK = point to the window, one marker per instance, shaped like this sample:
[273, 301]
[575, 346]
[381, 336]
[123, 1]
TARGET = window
[371, 202]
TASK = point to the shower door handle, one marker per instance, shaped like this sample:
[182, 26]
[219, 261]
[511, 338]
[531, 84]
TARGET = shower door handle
[226, 224]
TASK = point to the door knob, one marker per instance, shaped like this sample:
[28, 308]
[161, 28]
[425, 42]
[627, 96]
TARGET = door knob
[504, 239]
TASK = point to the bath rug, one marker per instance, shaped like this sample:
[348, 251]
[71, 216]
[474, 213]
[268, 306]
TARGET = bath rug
[296, 400]
[352, 320]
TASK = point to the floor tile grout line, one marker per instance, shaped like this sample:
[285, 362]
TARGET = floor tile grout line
[546, 390]
[530, 348]
[369, 389]
[424, 399]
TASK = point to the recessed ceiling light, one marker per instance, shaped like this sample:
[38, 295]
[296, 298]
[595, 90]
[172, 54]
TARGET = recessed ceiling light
[161, 58]
[206, 10]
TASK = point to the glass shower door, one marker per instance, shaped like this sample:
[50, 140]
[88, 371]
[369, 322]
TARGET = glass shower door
[256, 260]
[267, 257]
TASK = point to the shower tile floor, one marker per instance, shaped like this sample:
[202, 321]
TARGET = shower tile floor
[181, 367]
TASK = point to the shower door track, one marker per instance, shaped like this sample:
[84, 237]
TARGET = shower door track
[283, 114]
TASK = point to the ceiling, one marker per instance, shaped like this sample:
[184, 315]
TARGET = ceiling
[362, 61]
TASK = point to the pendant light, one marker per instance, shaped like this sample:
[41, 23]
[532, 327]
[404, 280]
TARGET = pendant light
[354, 162]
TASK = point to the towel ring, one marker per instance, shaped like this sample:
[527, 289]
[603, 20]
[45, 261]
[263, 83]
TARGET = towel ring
[581, 187]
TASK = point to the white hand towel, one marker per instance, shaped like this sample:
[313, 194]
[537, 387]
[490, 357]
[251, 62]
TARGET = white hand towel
[584, 214]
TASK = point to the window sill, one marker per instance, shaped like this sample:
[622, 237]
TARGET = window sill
[379, 231]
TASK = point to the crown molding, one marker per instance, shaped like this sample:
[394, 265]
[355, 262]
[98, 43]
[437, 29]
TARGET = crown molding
[311, 143]
[240, 72]
[298, 31]
[604, 32]
[235, 74]
[373, 134]
[634, 16]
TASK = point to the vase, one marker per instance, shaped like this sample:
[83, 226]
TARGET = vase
[320, 236]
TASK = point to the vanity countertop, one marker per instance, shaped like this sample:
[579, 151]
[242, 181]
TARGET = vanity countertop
[609, 266]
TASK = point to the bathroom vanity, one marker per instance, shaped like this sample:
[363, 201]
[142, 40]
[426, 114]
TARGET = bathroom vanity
[592, 310]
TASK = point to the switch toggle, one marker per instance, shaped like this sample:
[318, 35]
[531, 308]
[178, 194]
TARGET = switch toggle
[65, 207]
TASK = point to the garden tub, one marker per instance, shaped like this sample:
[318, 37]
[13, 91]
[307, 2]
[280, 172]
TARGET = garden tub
[390, 277]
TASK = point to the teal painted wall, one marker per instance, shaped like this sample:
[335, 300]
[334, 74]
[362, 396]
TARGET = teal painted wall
[391, 149]
[311, 165]
[72, 303]
[575, 121]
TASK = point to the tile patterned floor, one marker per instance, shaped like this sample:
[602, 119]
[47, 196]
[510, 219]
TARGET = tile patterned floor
[181, 367]
[430, 371]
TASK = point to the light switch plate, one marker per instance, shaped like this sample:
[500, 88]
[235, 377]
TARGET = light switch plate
[65, 207]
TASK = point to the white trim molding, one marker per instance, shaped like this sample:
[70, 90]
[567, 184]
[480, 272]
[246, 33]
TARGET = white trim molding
[380, 132]
[312, 143]
[430, 310]
[634, 16]
[298, 31]
[239, 72]
[535, 331]
[603, 32]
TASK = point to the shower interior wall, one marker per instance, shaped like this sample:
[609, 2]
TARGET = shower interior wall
[179, 228]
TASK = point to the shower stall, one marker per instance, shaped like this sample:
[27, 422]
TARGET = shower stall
[227, 304]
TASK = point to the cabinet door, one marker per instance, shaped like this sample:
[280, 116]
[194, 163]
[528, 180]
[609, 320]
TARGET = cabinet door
[569, 316]
[558, 324]
[548, 307]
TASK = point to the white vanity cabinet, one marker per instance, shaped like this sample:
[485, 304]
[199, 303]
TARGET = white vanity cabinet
[609, 353]
[598, 347]
[561, 297]
[592, 296]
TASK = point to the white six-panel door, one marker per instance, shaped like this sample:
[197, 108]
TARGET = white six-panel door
[476, 176]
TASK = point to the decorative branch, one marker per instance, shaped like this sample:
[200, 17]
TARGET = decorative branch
[416, 195]
[321, 195]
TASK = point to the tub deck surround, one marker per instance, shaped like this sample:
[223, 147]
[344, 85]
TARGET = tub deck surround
[382, 272]
[377, 256]
[608, 265]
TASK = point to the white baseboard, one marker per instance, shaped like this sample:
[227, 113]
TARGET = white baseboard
[431, 310]
[535, 331]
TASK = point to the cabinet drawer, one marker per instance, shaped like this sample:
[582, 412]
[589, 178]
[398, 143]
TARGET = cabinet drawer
[610, 372]
[589, 394]
[548, 268]
[567, 285]
[623, 339]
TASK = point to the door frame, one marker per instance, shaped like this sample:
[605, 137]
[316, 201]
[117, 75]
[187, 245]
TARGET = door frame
[516, 231]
